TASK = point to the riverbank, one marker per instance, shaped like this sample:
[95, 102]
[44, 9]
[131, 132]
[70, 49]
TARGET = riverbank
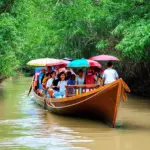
[2, 79]
[137, 76]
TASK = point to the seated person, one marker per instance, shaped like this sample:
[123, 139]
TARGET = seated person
[56, 69]
[71, 81]
[68, 75]
[41, 77]
[61, 85]
[55, 83]
[46, 78]
[80, 78]
[49, 83]
[90, 77]
[49, 69]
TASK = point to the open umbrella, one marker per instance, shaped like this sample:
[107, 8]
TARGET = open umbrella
[81, 63]
[47, 62]
[104, 58]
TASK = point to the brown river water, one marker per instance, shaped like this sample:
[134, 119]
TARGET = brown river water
[26, 126]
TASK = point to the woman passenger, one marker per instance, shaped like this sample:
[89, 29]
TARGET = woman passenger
[61, 85]
[80, 78]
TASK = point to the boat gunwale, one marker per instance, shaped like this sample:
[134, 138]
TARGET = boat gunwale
[102, 88]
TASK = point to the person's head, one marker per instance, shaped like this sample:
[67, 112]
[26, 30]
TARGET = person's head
[68, 75]
[57, 68]
[43, 70]
[92, 69]
[53, 74]
[80, 73]
[73, 77]
[48, 75]
[89, 72]
[62, 76]
[49, 69]
[109, 64]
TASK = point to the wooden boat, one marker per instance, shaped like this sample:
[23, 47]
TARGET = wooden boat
[100, 103]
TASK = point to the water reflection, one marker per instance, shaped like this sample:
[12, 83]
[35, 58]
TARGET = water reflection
[25, 125]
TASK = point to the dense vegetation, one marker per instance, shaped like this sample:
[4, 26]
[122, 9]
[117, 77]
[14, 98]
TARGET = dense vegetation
[73, 28]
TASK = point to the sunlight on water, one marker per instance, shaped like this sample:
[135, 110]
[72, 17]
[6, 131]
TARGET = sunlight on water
[24, 125]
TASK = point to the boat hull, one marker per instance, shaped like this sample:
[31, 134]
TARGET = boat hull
[101, 103]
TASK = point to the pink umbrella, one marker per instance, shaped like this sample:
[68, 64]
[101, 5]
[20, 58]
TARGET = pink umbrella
[104, 58]
[93, 63]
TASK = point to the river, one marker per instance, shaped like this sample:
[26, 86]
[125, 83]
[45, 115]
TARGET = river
[26, 126]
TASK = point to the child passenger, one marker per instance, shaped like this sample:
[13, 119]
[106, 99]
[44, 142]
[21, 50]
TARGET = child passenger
[49, 84]
[71, 81]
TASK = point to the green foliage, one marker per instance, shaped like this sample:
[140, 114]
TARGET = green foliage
[8, 45]
[72, 28]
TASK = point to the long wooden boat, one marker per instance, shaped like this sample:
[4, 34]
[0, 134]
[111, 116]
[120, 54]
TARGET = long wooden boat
[100, 103]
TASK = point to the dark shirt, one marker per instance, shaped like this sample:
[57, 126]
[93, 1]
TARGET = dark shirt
[55, 83]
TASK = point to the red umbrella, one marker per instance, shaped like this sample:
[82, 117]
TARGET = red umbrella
[104, 58]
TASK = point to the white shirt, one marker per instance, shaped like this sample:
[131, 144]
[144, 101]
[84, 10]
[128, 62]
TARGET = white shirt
[62, 85]
[110, 75]
[49, 83]
[80, 80]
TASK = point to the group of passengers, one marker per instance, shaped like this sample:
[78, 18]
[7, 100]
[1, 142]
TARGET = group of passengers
[53, 83]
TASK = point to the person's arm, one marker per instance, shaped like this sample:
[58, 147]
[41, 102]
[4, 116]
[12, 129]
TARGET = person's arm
[58, 85]
[103, 78]
[76, 80]
[95, 78]
[49, 83]
[116, 75]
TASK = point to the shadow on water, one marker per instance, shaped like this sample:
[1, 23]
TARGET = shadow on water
[128, 126]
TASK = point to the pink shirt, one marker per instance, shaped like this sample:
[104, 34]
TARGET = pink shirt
[89, 79]
[36, 76]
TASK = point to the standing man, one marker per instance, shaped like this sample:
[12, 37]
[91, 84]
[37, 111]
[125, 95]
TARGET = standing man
[110, 74]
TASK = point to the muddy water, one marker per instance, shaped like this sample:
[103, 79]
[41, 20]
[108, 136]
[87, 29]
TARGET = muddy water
[26, 126]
